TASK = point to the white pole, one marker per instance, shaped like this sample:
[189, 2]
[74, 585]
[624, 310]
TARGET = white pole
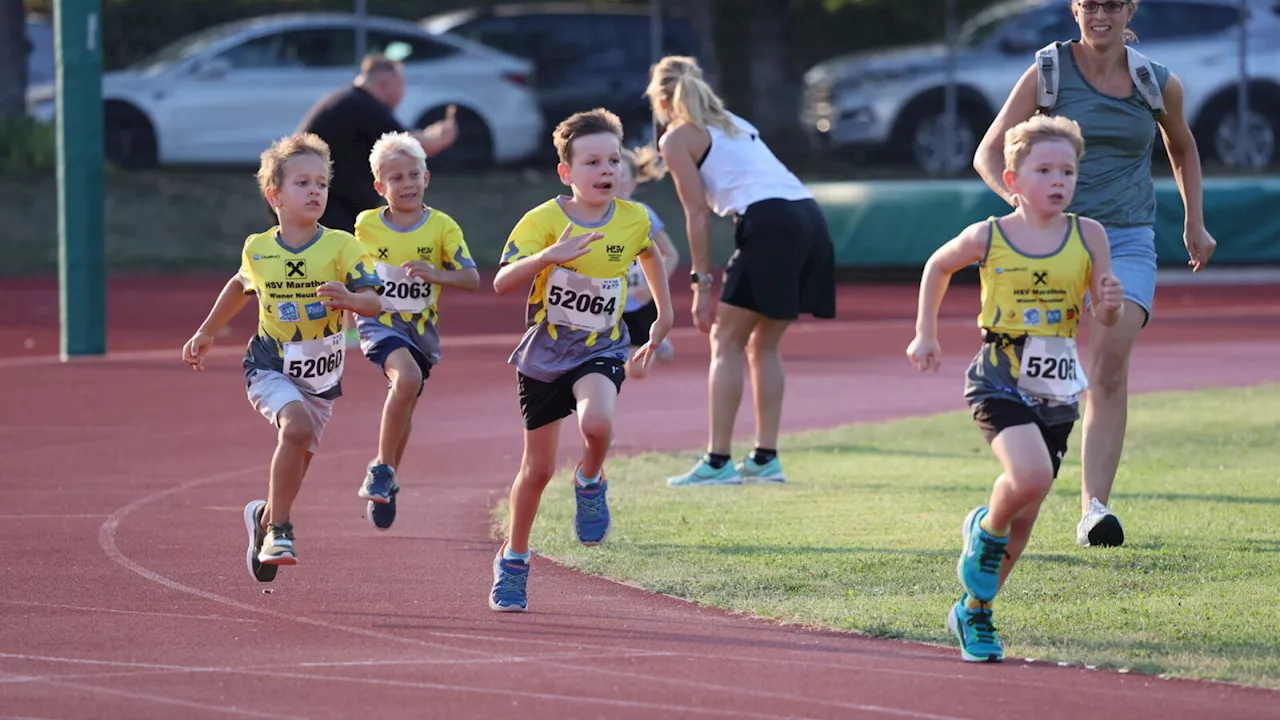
[362, 30]
[949, 97]
[655, 47]
[1246, 155]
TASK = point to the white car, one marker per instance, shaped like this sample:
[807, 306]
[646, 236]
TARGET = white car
[222, 95]
[894, 99]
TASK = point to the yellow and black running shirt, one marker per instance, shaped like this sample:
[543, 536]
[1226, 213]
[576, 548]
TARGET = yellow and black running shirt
[410, 306]
[1024, 294]
[292, 321]
[575, 310]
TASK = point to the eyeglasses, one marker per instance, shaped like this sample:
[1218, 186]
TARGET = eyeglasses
[1111, 7]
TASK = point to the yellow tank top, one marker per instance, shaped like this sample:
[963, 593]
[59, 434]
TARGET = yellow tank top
[1024, 294]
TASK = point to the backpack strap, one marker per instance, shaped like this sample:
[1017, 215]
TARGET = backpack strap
[1047, 77]
[1144, 79]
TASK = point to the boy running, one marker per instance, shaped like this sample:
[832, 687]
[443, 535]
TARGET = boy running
[576, 251]
[1036, 265]
[417, 251]
[304, 275]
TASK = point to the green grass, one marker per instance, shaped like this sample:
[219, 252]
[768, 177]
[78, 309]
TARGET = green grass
[866, 537]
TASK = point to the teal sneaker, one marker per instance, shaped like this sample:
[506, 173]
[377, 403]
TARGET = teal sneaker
[703, 474]
[979, 565]
[972, 626]
[753, 472]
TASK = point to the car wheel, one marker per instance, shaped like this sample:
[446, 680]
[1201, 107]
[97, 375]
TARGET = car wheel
[1254, 149]
[128, 138]
[929, 137]
[473, 150]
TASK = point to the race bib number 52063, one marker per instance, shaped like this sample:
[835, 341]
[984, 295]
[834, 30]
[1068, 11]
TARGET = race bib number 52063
[1051, 369]
[401, 293]
[315, 365]
[581, 302]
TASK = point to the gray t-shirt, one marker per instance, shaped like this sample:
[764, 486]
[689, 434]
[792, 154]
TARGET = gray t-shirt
[1115, 186]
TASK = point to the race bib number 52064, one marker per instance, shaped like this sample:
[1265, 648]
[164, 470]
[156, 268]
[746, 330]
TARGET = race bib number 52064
[1051, 369]
[315, 365]
[581, 302]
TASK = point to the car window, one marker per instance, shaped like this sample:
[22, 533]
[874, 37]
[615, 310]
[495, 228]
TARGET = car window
[1169, 20]
[311, 48]
[407, 48]
[677, 38]
[500, 33]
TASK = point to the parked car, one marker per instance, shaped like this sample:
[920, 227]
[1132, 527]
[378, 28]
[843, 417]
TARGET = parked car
[221, 95]
[585, 56]
[894, 99]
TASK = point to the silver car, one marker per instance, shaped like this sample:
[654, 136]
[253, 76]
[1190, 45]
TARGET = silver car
[894, 100]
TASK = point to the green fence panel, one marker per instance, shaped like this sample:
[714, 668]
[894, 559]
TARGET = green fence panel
[899, 223]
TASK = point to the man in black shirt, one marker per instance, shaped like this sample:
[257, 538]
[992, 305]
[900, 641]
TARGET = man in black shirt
[351, 120]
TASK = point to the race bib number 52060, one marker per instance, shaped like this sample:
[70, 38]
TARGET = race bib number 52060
[315, 365]
[581, 302]
[1051, 369]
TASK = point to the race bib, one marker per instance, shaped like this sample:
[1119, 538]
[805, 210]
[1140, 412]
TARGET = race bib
[1051, 369]
[315, 365]
[582, 303]
[401, 293]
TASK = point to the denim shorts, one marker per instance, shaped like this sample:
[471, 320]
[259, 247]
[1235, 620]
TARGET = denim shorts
[1133, 262]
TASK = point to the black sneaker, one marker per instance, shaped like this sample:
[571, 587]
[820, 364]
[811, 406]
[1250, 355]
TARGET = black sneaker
[253, 524]
[382, 515]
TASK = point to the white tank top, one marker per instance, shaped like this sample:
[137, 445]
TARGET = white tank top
[739, 170]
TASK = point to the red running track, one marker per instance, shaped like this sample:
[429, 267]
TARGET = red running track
[125, 594]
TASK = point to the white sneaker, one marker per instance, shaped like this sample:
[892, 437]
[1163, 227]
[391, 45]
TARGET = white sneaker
[1099, 527]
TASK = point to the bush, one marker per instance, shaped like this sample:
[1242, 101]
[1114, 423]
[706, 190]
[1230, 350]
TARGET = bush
[26, 148]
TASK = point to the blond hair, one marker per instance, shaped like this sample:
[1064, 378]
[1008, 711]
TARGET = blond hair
[1020, 138]
[582, 124]
[677, 80]
[274, 158]
[1129, 34]
[644, 163]
[396, 144]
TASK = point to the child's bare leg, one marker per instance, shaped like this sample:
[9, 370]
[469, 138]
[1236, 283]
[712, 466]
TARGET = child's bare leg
[597, 399]
[404, 441]
[536, 467]
[397, 413]
[290, 461]
[1018, 492]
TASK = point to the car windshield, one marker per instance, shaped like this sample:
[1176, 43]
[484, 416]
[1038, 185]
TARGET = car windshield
[188, 46]
[977, 29]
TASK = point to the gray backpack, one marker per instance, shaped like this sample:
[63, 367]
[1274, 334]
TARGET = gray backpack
[1144, 78]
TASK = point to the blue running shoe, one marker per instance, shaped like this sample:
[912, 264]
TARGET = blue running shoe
[753, 472]
[379, 483]
[592, 521]
[382, 515]
[971, 623]
[703, 474]
[979, 566]
[510, 578]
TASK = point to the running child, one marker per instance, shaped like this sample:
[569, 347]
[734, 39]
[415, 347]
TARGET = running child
[304, 275]
[417, 250]
[1036, 265]
[640, 166]
[576, 251]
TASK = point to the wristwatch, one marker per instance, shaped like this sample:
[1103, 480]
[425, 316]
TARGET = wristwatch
[697, 278]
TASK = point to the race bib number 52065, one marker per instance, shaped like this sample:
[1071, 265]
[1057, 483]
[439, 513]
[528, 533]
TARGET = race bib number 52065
[315, 365]
[1051, 369]
[581, 302]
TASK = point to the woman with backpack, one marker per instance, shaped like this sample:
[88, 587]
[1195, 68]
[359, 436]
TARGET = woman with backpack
[1119, 98]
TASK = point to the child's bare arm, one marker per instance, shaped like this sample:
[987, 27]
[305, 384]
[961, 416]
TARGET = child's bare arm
[565, 249]
[1105, 288]
[969, 247]
[655, 275]
[460, 278]
[231, 300]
